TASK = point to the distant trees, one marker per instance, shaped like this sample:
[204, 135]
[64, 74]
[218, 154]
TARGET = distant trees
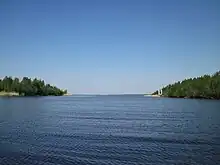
[201, 87]
[29, 87]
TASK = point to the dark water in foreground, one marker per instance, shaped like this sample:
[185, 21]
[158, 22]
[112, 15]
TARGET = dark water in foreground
[111, 130]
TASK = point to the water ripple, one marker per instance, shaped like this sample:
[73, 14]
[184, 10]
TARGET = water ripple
[109, 130]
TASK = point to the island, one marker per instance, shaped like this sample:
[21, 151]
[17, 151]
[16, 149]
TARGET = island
[206, 86]
[28, 87]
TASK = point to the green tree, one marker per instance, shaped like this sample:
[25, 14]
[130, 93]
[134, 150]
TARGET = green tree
[29, 87]
[16, 85]
[201, 87]
[1, 85]
[7, 84]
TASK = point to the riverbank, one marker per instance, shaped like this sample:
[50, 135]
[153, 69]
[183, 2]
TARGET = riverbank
[195, 97]
[175, 97]
[67, 94]
[3, 93]
[202, 87]
[28, 87]
[152, 95]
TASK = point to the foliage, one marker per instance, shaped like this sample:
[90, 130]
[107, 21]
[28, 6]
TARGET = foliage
[207, 86]
[29, 87]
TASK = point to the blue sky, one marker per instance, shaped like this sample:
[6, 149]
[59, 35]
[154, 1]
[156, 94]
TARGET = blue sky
[112, 46]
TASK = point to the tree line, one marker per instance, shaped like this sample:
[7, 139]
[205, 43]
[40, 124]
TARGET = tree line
[29, 87]
[207, 86]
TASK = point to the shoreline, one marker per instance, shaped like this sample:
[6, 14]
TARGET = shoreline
[15, 94]
[153, 96]
[3, 93]
[199, 98]
[183, 97]
[67, 94]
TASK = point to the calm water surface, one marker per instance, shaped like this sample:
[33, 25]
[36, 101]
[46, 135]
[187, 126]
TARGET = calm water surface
[111, 130]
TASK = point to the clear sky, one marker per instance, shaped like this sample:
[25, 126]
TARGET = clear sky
[109, 46]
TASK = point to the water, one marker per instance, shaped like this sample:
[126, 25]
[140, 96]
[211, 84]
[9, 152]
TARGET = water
[111, 130]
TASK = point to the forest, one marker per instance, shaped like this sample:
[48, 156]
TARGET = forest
[29, 87]
[207, 86]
